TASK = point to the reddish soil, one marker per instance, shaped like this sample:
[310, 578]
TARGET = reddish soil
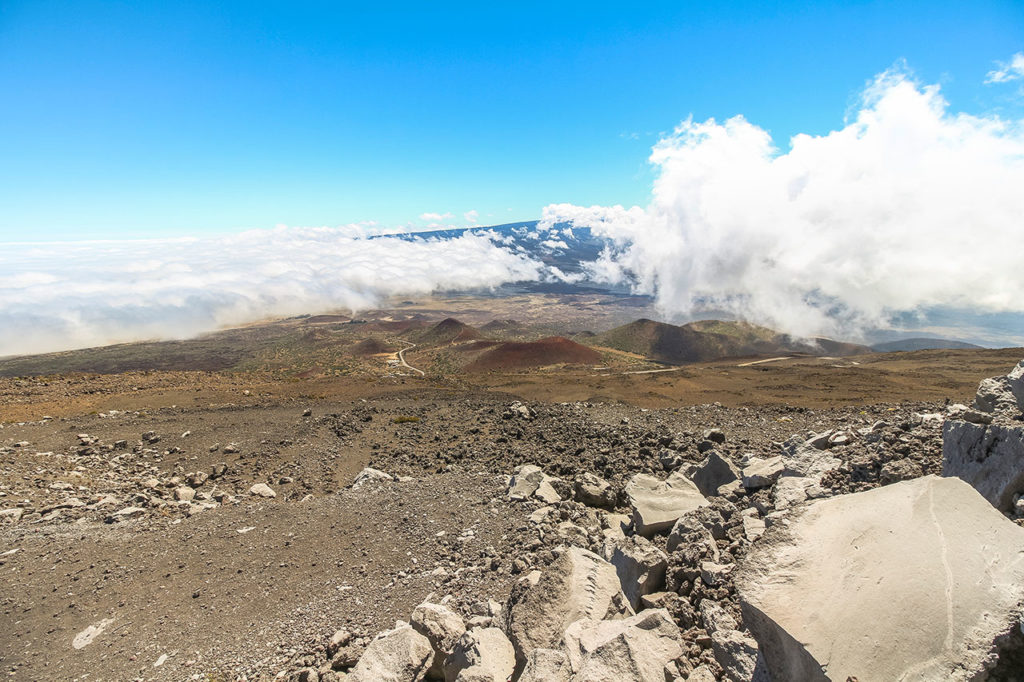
[554, 350]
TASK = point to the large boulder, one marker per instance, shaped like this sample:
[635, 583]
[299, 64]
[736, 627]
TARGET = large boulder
[1002, 394]
[658, 504]
[990, 458]
[714, 472]
[481, 655]
[546, 665]
[919, 580]
[640, 567]
[442, 627]
[636, 649]
[577, 585]
[398, 655]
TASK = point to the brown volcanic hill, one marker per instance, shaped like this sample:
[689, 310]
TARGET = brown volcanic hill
[553, 350]
[707, 340]
[668, 343]
[372, 346]
[448, 330]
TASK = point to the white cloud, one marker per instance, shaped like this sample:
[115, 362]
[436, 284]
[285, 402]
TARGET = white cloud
[1007, 71]
[435, 217]
[471, 217]
[908, 206]
[75, 294]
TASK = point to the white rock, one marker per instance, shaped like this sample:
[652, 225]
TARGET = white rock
[761, 473]
[398, 655]
[914, 580]
[640, 567]
[635, 649]
[990, 458]
[546, 665]
[736, 652]
[481, 655]
[714, 472]
[658, 504]
[442, 627]
[262, 490]
[370, 475]
[577, 585]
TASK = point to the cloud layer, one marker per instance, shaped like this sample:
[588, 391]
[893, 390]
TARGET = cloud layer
[79, 294]
[907, 207]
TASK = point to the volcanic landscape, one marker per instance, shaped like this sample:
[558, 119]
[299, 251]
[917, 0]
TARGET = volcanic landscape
[546, 487]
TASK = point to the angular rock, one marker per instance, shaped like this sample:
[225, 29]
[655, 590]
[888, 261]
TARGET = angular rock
[792, 490]
[262, 490]
[371, 475]
[990, 458]
[762, 473]
[398, 655]
[546, 665]
[577, 585]
[716, 618]
[481, 655]
[736, 652]
[442, 627]
[636, 649]
[640, 567]
[753, 527]
[657, 504]
[594, 491]
[714, 472]
[916, 580]
[529, 481]
[184, 493]
[802, 458]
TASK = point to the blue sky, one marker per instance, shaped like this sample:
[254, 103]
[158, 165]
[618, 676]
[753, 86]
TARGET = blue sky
[134, 119]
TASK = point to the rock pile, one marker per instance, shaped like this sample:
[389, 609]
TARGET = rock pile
[985, 446]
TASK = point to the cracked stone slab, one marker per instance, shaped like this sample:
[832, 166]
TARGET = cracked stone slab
[919, 580]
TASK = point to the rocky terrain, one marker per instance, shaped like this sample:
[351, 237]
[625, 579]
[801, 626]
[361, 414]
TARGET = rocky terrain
[176, 526]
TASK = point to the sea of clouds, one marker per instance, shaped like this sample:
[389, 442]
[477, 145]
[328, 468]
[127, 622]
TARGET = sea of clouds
[66, 295]
[906, 209]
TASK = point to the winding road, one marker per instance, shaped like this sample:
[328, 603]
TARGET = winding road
[403, 363]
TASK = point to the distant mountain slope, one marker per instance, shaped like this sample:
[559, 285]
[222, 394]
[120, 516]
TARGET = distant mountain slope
[710, 340]
[553, 350]
[921, 343]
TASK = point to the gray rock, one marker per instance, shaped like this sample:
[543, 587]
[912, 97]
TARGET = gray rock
[640, 567]
[262, 490]
[915, 580]
[529, 481]
[714, 472]
[481, 655]
[184, 493]
[577, 585]
[762, 473]
[546, 665]
[715, 617]
[990, 458]
[371, 475]
[442, 627]
[594, 491]
[657, 504]
[715, 436]
[635, 649]
[398, 655]
[736, 652]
